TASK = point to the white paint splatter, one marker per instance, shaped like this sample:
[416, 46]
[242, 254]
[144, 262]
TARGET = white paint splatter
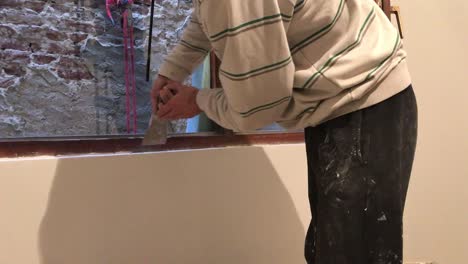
[11, 120]
[382, 218]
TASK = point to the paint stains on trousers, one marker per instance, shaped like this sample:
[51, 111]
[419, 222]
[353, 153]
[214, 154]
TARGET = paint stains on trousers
[359, 170]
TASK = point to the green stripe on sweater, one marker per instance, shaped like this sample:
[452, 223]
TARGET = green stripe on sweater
[371, 74]
[219, 94]
[312, 38]
[299, 4]
[191, 46]
[195, 22]
[249, 74]
[265, 107]
[250, 24]
[298, 7]
[308, 109]
[311, 81]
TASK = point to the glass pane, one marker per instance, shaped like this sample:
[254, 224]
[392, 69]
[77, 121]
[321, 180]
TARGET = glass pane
[273, 128]
[63, 66]
[201, 80]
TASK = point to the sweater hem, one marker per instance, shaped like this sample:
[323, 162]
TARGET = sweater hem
[398, 80]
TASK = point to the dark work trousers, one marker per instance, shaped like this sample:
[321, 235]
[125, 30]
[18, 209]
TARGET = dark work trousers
[359, 170]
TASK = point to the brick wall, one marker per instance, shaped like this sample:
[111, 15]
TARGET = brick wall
[61, 65]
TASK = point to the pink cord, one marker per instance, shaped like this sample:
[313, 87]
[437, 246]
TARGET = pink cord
[129, 59]
[132, 76]
[127, 90]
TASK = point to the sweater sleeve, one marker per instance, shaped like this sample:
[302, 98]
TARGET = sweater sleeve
[257, 72]
[188, 53]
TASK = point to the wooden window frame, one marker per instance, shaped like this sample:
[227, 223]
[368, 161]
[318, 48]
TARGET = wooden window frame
[80, 146]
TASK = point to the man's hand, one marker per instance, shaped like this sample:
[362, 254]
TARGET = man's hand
[158, 85]
[181, 104]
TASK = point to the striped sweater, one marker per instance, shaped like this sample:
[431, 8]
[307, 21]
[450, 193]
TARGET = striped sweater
[294, 62]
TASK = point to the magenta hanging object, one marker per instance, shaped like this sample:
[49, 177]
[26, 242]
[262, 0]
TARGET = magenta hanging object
[124, 6]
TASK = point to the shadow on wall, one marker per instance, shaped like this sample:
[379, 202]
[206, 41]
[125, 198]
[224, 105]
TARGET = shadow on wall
[187, 208]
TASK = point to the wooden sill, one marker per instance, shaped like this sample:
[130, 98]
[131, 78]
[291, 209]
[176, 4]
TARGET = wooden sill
[80, 146]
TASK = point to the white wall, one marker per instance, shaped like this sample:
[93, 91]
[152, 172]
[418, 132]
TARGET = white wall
[234, 205]
[185, 207]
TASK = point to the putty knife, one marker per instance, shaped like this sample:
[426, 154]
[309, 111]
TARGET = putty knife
[156, 134]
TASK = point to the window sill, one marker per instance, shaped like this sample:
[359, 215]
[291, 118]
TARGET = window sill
[28, 147]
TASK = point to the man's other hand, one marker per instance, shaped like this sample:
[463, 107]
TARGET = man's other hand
[181, 102]
[158, 85]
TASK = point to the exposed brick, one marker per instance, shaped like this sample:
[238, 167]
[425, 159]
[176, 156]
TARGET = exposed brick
[13, 44]
[75, 26]
[55, 48]
[12, 3]
[6, 82]
[41, 32]
[62, 1]
[56, 35]
[21, 18]
[141, 9]
[15, 56]
[15, 69]
[34, 46]
[62, 7]
[73, 69]
[43, 59]
[78, 37]
[6, 31]
[84, 3]
[35, 5]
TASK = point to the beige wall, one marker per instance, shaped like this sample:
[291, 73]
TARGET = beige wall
[436, 214]
[200, 206]
[234, 205]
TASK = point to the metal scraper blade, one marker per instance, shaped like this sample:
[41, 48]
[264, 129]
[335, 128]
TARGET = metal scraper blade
[156, 134]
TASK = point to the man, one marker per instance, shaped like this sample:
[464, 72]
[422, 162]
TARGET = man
[334, 67]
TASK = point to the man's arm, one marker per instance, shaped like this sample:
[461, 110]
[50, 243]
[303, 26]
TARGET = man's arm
[257, 71]
[188, 54]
